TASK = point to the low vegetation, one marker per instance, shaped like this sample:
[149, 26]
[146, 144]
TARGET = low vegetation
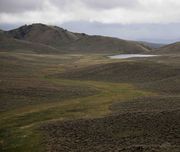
[75, 102]
[40, 38]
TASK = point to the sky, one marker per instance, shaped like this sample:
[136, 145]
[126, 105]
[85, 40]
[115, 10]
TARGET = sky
[146, 20]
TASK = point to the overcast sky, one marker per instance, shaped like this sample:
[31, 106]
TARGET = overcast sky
[150, 20]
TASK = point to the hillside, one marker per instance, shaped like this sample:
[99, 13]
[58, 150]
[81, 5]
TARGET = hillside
[105, 44]
[62, 39]
[133, 72]
[40, 33]
[169, 49]
[10, 44]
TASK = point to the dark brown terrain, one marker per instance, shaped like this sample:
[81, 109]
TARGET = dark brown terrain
[128, 132]
[60, 92]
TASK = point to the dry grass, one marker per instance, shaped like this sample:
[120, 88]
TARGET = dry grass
[31, 96]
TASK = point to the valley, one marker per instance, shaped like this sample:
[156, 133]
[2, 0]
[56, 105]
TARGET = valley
[60, 91]
[91, 100]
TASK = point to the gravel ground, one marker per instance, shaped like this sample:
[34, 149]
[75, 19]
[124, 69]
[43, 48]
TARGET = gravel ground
[130, 132]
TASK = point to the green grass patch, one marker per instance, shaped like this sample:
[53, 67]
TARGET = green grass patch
[18, 130]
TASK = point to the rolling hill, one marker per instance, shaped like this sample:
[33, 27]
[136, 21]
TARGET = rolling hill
[40, 33]
[169, 49]
[107, 45]
[10, 44]
[63, 40]
[134, 72]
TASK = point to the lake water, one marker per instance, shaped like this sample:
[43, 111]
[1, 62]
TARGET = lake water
[125, 56]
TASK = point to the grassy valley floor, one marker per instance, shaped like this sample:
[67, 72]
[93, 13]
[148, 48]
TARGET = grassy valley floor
[76, 102]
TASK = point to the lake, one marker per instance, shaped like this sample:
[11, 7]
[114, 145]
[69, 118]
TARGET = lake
[125, 56]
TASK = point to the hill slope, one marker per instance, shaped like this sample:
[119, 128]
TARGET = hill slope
[13, 45]
[106, 44]
[77, 42]
[133, 72]
[169, 49]
[40, 33]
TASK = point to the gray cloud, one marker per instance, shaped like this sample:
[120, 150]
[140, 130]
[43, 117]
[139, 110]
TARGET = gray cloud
[109, 4]
[159, 33]
[98, 16]
[17, 6]
[104, 11]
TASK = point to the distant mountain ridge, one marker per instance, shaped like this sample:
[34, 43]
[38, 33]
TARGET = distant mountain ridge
[56, 39]
[152, 45]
